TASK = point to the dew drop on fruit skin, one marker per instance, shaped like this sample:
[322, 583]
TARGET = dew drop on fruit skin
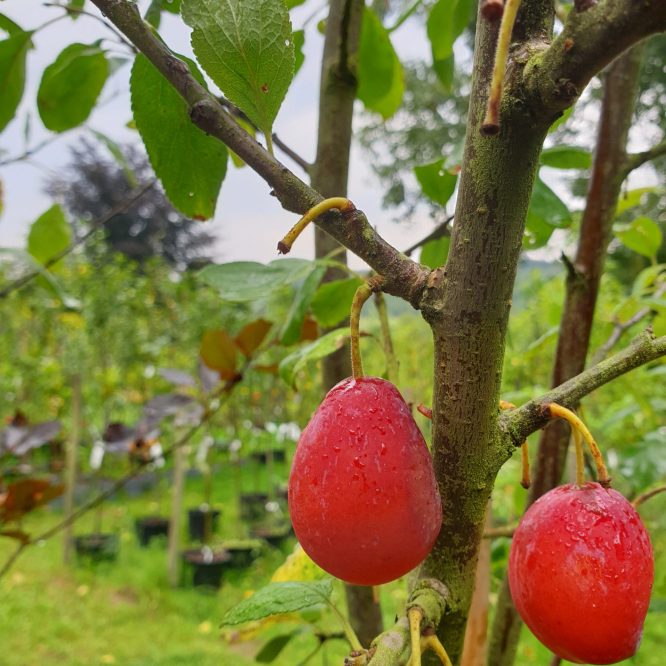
[381, 517]
[585, 607]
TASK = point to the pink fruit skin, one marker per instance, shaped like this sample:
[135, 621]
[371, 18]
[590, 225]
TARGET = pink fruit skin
[363, 498]
[580, 571]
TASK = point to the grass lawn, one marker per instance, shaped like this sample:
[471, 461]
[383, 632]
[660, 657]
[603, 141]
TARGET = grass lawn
[125, 613]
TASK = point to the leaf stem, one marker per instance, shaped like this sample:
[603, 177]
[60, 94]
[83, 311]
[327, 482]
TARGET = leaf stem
[341, 203]
[346, 627]
[557, 411]
[491, 124]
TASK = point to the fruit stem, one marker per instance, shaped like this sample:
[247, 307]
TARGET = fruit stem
[415, 615]
[580, 457]
[361, 295]
[433, 643]
[341, 203]
[491, 124]
[556, 410]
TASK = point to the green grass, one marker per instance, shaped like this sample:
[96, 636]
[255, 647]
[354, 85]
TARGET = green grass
[126, 613]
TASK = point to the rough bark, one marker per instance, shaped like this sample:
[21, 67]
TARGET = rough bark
[329, 176]
[582, 287]
[468, 306]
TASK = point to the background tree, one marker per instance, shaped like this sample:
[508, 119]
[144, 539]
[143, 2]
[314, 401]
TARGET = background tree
[93, 184]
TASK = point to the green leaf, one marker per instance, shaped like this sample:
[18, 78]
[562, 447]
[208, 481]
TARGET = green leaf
[566, 157]
[643, 235]
[8, 26]
[276, 598]
[632, 198]
[436, 182]
[561, 120]
[659, 325]
[190, 164]
[291, 332]
[446, 22]
[323, 346]
[249, 128]
[49, 234]
[172, 6]
[13, 52]
[445, 70]
[271, 650]
[537, 233]
[75, 4]
[332, 302]
[294, 3]
[120, 158]
[46, 279]
[435, 252]
[71, 85]
[380, 76]
[245, 281]
[247, 49]
[299, 43]
[648, 279]
[547, 208]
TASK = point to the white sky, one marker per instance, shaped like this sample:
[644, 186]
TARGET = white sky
[248, 221]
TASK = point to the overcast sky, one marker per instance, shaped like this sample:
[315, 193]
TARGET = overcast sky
[248, 221]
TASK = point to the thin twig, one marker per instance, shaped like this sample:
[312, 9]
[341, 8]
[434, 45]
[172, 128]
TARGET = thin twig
[290, 152]
[438, 232]
[530, 417]
[622, 327]
[498, 532]
[30, 151]
[644, 497]
[82, 12]
[95, 226]
[636, 160]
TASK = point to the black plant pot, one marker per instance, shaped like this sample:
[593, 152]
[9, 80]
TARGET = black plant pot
[272, 534]
[253, 506]
[97, 547]
[207, 566]
[150, 527]
[242, 553]
[197, 522]
[261, 457]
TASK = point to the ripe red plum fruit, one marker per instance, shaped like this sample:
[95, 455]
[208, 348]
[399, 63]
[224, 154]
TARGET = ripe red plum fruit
[580, 571]
[363, 497]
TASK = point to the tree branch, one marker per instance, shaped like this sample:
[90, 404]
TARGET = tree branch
[392, 647]
[521, 422]
[95, 226]
[591, 39]
[636, 160]
[441, 230]
[621, 327]
[407, 278]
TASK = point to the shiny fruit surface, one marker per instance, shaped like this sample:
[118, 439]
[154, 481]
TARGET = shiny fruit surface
[580, 571]
[363, 498]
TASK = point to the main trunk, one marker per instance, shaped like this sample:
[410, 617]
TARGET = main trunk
[468, 308]
[582, 285]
